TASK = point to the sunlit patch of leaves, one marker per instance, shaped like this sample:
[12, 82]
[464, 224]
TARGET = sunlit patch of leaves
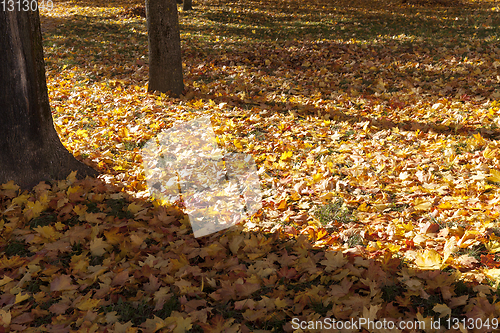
[374, 112]
[474, 251]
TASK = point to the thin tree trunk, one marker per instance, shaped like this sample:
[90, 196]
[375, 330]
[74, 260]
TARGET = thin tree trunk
[188, 5]
[30, 149]
[165, 63]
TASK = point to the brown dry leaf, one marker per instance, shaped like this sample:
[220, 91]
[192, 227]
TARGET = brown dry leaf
[62, 282]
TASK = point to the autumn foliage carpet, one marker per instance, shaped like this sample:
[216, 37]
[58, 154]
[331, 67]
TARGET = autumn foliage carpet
[374, 125]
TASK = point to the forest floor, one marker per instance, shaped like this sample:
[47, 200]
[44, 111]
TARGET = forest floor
[374, 126]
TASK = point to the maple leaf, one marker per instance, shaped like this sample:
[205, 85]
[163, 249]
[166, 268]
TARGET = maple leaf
[87, 304]
[153, 325]
[59, 307]
[62, 282]
[98, 246]
[220, 324]
[178, 323]
[5, 318]
[120, 278]
[124, 328]
[21, 297]
[442, 309]
[153, 285]
[429, 259]
[333, 261]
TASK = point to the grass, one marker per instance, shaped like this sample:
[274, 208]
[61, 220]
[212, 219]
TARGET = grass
[334, 212]
[18, 248]
[139, 312]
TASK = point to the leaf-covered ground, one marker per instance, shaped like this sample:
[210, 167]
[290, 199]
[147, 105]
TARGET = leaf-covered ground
[374, 125]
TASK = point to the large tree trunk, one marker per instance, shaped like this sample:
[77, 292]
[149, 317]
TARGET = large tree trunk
[30, 149]
[165, 63]
[188, 5]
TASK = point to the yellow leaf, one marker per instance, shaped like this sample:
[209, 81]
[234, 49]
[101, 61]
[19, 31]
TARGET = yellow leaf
[488, 153]
[280, 303]
[94, 217]
[449, 247]
[123, 132]
[443, 309]
[429, 259]
[282, 205]
[333, 261]
[363, 207]
[33, 209]
[380, 207]
[82, 133]
[295, 196]
[326, 196]
[20, 200]
[181, 324]
[317, 177]
[10, 186]
[479, 139]
[493, 274]
[153, 325]
[495, 176]
[113, 236]
[47, 231]
[20, 298]
[73, 189]
[237, 144]
[5, 318]
[71, 177]
[492, 246]
[393, 247]
[80, 210]
[134, 208]
[125, 328]
[59, 226]
[286, 155]
[445, 205]
[423, 206]
[5, 280]
[88, 304]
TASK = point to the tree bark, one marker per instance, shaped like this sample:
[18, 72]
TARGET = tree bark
[165, 63]
[188, 5]
[30, 149]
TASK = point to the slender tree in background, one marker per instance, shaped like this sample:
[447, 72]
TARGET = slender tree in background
[30, 149]
[188, 5]
[165, 63]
